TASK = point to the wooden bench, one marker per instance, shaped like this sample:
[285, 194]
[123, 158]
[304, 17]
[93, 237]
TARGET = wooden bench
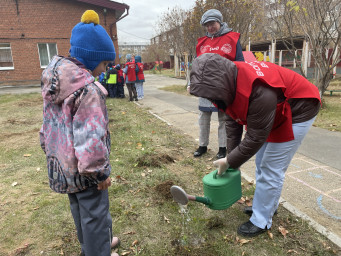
[331, 91]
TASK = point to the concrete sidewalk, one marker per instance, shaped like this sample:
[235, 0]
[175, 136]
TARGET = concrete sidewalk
[312, 189]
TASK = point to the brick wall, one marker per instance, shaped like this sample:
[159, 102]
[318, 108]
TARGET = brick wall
[41, 21]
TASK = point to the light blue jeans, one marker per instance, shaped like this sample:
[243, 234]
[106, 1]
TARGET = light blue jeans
[139, 90]
[272, 161]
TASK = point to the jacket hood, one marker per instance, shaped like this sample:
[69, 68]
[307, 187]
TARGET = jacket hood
[138, 58]
[61, 78]
[224, 29]
[214, 77]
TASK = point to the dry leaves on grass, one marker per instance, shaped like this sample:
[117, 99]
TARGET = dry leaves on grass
[242, 241]
[283, 231]
[271, 236]
[245, 200]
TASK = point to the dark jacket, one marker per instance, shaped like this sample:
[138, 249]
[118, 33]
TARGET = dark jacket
[220, 88]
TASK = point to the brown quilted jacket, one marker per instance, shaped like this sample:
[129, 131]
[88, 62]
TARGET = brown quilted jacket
[214, 78]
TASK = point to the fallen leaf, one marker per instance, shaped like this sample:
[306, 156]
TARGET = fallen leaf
[38, 169]
[143, 174]
[14, 184]
[283, 231]
[135, 243]
[27, 155]
[271, 236]
[244, 241]
[124, 253]
[240, 201]
[123, 113]
[166, 219]
[248, 202]
[36, 208]
[290, 251]
[129, 233]
[251, 182]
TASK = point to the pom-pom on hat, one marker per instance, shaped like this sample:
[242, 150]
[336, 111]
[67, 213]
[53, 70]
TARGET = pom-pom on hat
[90, 42]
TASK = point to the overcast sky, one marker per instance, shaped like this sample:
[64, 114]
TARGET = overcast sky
[139, 25]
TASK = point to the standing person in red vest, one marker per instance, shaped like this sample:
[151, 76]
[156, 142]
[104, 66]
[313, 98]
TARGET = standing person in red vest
[130, 70]
[277, 105]
[219, 39]
[120, 81]
[139, 78]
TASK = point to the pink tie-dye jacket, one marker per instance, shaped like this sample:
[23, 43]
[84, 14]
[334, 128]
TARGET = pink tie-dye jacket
[74, 134]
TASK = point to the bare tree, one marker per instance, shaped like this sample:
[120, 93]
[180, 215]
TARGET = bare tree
[320, 23]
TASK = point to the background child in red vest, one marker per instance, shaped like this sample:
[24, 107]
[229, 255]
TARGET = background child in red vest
[277, 105]
[139, 78]
[75, 133]
[130, 70]
[120, 81]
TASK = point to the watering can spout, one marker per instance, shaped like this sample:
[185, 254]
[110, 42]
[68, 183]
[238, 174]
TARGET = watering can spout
[181, 197]
[220, 192]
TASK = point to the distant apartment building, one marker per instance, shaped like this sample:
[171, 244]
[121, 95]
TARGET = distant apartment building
[134, 48]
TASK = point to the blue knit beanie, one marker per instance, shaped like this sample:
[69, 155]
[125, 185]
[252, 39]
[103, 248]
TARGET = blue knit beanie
[90, 42]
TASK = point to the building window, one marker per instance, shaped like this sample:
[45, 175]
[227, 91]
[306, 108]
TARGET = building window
[6, 61]
[46, 52]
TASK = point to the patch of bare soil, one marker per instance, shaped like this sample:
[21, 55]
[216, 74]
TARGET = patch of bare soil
[163, 189]
[215, 222]
[154, 160]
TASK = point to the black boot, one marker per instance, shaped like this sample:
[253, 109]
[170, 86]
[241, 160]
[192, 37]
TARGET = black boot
[221, 153]
[250, 230]
[201, 150]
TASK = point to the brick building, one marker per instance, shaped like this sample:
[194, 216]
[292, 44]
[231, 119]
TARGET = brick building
[32, 31]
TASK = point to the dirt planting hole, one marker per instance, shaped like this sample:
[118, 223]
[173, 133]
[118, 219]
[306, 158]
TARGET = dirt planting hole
[163, 189]
[154, 160]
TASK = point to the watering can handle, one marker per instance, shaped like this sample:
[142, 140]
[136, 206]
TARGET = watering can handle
[215, 175]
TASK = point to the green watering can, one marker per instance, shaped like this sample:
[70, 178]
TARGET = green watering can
[220, 191]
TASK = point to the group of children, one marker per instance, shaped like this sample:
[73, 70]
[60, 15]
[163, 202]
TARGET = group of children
[132, 75]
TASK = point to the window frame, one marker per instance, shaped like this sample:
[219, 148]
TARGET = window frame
[48, 53]
[10, 48]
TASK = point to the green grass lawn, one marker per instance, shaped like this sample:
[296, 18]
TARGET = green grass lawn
[147, 157]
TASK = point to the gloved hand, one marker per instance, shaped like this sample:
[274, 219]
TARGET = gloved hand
[222, 165]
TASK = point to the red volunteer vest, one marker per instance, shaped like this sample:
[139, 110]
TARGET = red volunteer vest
[292, 84]
[224, 45]
[140, 74]
[120, 74]
[131, 71]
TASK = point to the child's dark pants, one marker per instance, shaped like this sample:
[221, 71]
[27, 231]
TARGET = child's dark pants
[90, 211]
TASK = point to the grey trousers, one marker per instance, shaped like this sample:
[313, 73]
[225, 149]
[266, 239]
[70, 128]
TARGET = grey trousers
[205, 124]
[90, 211]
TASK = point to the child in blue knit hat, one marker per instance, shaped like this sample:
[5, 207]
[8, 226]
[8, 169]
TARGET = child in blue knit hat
[75, 135]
